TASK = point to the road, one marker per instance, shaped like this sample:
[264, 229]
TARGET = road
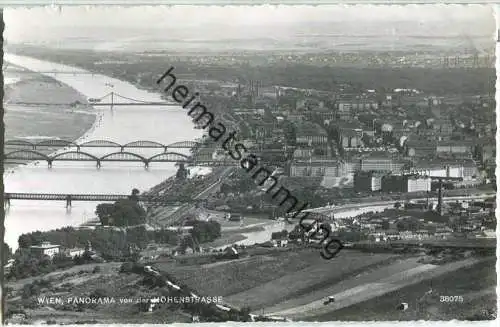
[351, 206]
[370, 289]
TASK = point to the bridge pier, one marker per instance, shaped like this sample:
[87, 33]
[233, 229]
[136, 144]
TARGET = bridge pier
[6, 202]
[146, 165]
[68, 201]
[50, 164]
[98, 164]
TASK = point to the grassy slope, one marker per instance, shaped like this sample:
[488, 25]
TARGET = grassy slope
[286, 273]
[468, 282]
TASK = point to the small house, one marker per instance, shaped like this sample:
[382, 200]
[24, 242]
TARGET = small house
[45, 248]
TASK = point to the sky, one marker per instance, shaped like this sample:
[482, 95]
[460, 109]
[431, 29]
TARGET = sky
[108, 26]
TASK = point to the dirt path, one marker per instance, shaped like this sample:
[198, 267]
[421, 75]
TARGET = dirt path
[370, 290]
[370, 275]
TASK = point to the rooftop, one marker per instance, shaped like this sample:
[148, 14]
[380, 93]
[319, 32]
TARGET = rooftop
[310, 129]
[44, 245]
[455, 143]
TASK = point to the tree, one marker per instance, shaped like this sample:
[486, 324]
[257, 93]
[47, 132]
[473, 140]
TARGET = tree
[124, 212]
[205, 231]
[279, 235]
[135, 195]
[60, 260]
[128, 212]
[182, 172]
[30, 290]
[127, 267]
[6, 253]
[245, 313]
[138, 236]
[104, 211]
[296, 233]
[27, 240]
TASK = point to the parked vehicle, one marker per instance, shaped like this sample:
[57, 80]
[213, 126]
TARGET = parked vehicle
[402, 306]
[329, 300]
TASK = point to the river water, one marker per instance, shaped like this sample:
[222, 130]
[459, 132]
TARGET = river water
[123, 124]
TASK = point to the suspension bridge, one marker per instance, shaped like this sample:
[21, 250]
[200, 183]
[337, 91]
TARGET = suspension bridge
[21, 70]
[111, 99]
[54, 72]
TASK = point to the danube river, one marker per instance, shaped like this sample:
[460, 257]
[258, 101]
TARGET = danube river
[164, 124]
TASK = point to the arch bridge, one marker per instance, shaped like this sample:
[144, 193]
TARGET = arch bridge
[32, 155]
[139, 144]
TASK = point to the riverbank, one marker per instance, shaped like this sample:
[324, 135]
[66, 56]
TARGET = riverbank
[36, 123]
[121, 125]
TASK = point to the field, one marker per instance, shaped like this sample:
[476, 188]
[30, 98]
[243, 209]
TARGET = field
[266, 279]
[475, 284]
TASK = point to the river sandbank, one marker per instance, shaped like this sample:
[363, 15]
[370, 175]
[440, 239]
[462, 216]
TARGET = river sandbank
[38, 122]
[121, 125]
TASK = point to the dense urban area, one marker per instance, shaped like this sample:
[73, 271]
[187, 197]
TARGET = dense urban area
[411, 132]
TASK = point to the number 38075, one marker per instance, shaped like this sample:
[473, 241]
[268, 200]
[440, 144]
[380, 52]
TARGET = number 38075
[456, 298]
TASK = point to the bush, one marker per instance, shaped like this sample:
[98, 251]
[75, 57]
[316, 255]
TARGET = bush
[99, 293]
[97, 269]
[205, 231]
[30, 290]
[132, 267]
[126, 267]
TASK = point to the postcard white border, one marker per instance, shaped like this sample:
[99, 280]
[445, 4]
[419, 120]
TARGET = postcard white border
[495, 3]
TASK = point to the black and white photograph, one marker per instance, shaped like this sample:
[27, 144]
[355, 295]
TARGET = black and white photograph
[249, 163]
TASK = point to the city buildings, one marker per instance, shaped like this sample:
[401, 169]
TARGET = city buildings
[311, 134]
[315, 168]
[442, 168]
[381, 161]
[351, 138]
[454, 147]
[420, 148]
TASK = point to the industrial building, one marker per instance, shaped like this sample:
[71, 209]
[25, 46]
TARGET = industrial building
[368, 181]
[406, 183]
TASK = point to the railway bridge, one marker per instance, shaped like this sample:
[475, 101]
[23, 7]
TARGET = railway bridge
[69, 198]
